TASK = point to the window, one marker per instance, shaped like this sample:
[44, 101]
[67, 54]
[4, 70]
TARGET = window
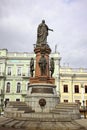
[8, 87]
[76, 88]
[19, 71]
[85, 88]
[7, 99]
[28, 86]
[65, 100]
[6, 102]
[77, 101]
[18, 87]
[65, 88]
[18, 100]
[9, 71]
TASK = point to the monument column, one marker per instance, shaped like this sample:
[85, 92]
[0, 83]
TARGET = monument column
[42, 51]
[42, 89]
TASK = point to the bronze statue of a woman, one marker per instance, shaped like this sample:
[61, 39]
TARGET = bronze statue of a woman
[42, 33]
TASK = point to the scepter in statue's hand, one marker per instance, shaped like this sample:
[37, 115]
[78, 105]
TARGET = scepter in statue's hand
[50, 29]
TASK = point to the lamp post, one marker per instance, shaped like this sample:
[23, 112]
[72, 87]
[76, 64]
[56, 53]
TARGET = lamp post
[82, 92]
[83, 104]
[73, 76]
[84, 110]
[57, 75]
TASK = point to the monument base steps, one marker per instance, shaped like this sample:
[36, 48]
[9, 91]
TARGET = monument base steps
[62, 112]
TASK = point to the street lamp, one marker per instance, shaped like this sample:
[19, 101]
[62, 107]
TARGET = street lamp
[73, 76]
[82, 93]
[84, 109]
[83, 104]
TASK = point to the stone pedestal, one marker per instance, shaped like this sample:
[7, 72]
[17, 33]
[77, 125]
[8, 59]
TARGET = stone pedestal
[47, 92]
[42, 89]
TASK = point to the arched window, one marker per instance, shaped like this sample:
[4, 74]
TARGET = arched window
[18, 87]
[8, 87]
[28, 86]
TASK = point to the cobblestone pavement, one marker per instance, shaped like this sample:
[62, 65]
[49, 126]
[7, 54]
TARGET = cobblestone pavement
[12, 124]
[3, 128]
[82, 122]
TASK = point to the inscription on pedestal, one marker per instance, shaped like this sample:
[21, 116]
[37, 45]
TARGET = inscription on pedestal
[42, 90]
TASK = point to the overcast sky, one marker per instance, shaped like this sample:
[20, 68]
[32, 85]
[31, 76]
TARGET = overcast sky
[68, 18]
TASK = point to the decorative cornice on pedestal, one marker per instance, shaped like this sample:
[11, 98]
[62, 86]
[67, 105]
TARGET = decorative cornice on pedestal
[42, 79]
[43, 48]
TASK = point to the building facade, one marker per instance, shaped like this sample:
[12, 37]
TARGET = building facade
[73, 85]
[15, 72]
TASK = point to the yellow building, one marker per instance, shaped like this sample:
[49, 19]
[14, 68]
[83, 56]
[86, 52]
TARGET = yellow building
[73, 85]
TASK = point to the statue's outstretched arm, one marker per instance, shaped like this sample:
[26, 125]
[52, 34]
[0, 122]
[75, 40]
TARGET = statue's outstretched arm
[50, 29]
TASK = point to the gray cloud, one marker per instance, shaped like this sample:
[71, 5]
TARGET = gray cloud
[68, 18]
